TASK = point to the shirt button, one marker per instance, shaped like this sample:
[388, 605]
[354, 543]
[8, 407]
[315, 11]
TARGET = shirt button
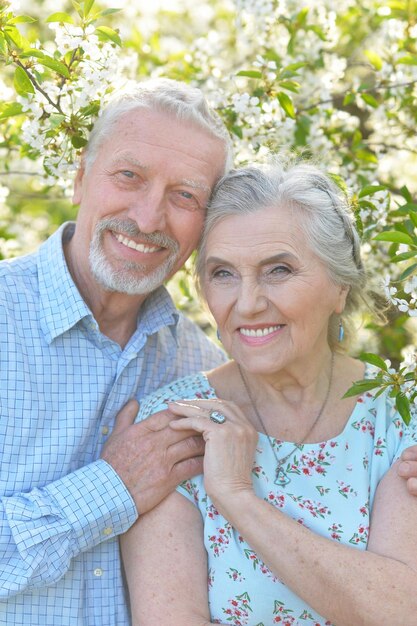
[108, 531]
[98, 571]
[105, 430]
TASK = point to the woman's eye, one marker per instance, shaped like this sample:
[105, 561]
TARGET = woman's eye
[221, 273]
[279, 271]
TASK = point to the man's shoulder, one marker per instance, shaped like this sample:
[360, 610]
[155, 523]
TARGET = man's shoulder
[18, 275]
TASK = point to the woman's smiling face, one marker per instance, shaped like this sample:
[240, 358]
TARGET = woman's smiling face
[270, 295]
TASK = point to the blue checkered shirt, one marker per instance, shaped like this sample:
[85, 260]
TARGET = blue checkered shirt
[61, 384]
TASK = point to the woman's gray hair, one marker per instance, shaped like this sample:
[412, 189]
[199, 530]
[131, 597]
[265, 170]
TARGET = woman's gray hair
[182, 101]
[325, 218]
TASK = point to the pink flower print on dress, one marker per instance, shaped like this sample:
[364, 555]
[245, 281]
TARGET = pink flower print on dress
[380, 446]
[233, 574]
[238, 610]
[346, 490]
[282, 615]
[276, 499]
[220, 541]
[317, 509]
[336, 531]
[361, 536]
[365, 426]
[258, 564]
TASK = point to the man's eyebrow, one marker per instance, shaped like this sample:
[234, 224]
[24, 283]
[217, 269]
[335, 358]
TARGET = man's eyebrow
[122, 159]
[195, 184]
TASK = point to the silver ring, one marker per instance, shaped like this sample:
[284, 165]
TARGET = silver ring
[217, 417]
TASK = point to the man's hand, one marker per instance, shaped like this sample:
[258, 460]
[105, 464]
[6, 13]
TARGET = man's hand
[150, 457]
[408, 469]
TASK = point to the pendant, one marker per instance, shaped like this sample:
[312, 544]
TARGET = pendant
[281, 478]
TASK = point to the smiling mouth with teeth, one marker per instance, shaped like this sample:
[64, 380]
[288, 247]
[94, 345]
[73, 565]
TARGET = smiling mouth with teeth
[259, 332]
[140, 247]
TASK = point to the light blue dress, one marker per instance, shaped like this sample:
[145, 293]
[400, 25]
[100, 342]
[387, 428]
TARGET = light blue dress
[328, 487]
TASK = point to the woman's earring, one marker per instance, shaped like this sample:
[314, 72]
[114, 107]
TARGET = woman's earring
[341, 334]
[218, 335]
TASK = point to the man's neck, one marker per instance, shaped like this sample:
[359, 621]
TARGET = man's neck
[115, 313]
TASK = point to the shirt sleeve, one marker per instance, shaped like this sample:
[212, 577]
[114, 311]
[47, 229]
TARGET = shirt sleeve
[42, 530]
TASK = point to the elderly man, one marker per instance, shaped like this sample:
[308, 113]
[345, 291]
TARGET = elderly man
[85, 327]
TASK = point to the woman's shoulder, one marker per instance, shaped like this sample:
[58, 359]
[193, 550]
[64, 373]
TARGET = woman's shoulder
[188, 387]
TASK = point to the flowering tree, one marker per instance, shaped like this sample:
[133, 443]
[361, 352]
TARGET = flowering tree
[339, 84]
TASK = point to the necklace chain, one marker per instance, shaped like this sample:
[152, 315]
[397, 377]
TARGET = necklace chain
[280, 462]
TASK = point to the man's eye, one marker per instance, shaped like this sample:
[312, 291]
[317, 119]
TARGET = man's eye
[185, 200]
[127, 173]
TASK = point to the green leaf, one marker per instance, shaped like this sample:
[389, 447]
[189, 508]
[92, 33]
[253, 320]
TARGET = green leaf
[22, 82]
[110, 34]
[55, 120]
[10, 109]
[368, 190]
[91, 109]
[412, 269]
[13, 36]
[366, 156]
[413, 217]
[250, 73]
[3, 45]
[349, 98]
[404, 256]
[402, 405]
[360, 386]
[293, 67]
[286, 104]
[88, 5]
[60, 17]
[22, 19]
[408, 60]
[55, 65]
[291, 85]
[396, 237]
[374, 59]
[374, 359]
[78, 141]
[32, 52]
[109, 12]
[369, 99]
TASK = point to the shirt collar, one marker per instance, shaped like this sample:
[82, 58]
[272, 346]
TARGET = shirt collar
[62, 306]
[61, 303]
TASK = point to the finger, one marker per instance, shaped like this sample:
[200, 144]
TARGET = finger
[407, 469]
[412, 486]
[203, 409]
[126, 416]
[409, 454]
[186, 449]
[184, 470]
[198, 424]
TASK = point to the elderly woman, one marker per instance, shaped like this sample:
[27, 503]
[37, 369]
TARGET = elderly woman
[300, 517]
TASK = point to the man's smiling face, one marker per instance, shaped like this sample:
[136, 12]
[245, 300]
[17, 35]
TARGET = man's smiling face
[142, 201]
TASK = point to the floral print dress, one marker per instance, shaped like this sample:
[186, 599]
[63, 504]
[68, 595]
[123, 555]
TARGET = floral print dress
[329, 487]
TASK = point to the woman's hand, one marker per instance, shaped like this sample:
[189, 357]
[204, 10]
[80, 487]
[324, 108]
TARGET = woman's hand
[408, 468]
[230, 446]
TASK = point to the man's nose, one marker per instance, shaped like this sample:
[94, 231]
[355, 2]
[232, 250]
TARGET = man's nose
[148, 210]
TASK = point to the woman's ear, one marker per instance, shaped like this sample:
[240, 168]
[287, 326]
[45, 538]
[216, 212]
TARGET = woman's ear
[341, 300]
